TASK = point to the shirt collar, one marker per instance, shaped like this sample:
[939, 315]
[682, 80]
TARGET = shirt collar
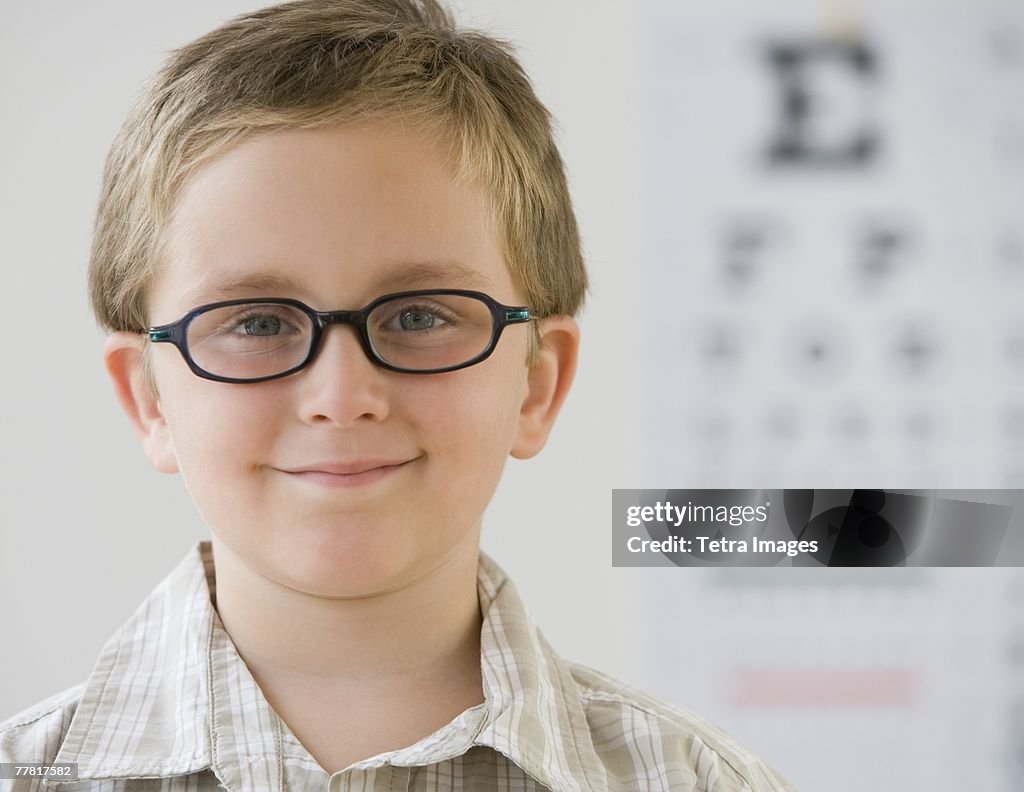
[144, 708]
[535, 711]
[156, 701]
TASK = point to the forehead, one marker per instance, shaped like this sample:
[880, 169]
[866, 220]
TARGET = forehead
[335, 215]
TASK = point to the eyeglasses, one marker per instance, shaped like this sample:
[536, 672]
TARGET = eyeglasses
[414, 332]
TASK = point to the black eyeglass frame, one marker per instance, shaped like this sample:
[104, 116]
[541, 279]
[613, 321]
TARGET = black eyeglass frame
[502, 315]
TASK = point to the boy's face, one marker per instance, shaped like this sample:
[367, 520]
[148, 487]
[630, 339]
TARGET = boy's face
[348, 213]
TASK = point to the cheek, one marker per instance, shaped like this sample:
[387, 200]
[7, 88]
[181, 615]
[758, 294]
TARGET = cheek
[473, 416]
[217, 436]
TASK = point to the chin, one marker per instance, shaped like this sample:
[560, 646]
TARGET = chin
[347, 568]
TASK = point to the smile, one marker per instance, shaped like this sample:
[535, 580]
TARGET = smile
[354, 474]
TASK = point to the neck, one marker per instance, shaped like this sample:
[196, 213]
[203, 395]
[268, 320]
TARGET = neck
[426, 632]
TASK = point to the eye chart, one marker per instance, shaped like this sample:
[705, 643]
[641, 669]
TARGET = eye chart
[832, 286]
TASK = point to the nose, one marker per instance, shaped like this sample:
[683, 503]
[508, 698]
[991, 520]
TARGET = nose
[341, 385]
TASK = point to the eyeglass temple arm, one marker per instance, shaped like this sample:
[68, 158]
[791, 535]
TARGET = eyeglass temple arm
[170, 333]
[517, 315]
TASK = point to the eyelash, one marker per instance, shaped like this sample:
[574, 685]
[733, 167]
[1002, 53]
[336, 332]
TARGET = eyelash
[255, 313]
[436, 310]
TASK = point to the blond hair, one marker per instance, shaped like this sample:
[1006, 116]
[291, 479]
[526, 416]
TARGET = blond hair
[313, 62]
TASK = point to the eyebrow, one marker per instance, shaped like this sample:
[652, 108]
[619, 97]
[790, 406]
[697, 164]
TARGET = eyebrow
[447, 274]
[244, 284]
[400, 276]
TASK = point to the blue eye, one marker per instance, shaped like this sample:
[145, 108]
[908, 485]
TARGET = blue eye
[252, 323]
[262, 325]
[416, 320]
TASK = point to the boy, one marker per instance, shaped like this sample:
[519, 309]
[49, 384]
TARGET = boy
[360, 163]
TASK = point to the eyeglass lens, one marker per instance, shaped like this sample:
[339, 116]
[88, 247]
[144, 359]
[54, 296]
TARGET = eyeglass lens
[419, 333]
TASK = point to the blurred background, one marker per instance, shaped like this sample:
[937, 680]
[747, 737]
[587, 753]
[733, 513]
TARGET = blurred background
[804, 223]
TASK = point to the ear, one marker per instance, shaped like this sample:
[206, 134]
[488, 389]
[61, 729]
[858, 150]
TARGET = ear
[122, 356]
[548, 382]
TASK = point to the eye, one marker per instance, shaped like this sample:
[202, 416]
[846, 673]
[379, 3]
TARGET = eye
[417, 317]
[260, 322]
[262, 325]
[247, 329]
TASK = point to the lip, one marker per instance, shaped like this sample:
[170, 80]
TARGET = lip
[348, 473]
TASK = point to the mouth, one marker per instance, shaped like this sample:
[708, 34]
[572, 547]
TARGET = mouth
[354, 473]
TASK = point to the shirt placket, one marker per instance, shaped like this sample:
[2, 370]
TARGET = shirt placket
[384, 778]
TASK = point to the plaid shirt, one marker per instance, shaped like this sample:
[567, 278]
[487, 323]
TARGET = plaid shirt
[171, 706]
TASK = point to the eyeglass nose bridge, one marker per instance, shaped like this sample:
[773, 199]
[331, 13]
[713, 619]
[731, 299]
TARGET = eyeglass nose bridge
[354, 319]
[324, 318]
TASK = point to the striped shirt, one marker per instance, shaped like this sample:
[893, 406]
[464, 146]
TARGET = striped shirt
[170, 705]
